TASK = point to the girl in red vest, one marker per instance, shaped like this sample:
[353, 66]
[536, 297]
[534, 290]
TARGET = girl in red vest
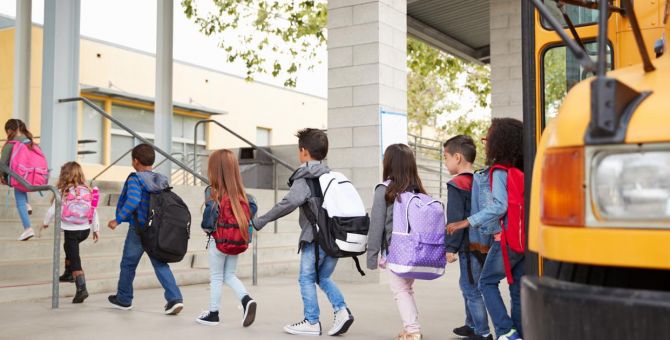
[231, 236]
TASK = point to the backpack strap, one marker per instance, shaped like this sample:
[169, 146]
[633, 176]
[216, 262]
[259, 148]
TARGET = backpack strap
[315, 191]
[503, 237]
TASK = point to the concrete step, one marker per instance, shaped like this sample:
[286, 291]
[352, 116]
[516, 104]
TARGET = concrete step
[107, 282]
[111, 243]
[38, 269]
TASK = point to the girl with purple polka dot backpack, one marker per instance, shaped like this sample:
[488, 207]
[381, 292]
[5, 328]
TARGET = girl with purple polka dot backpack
[406, 233]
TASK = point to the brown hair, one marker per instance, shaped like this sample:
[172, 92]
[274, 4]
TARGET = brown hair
[504, 143]
[145, 154]
[223, 171]
[71, 175]
[400, 169]
[315, 141]
[15, 126]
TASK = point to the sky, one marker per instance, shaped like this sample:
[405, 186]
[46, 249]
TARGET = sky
[132, 23]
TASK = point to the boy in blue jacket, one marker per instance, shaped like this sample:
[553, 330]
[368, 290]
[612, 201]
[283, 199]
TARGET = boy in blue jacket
[133, 208]
[459, 154]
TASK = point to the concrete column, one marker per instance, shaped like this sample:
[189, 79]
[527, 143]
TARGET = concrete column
[506, 74]
[22, 43]
[163, 108]
[367, 73]
[60, 79]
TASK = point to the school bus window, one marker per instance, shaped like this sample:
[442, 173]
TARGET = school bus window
[561, 71]
[579, 16]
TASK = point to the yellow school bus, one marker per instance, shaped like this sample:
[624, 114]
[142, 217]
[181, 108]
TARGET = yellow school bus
[597, 149]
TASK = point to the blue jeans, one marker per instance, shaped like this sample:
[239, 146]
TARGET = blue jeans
[475, 310]
[132, 253]
[21, 199]
[492, 273]
[222, 269]
[307, 280]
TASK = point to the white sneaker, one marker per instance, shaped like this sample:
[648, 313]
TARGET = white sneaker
[342, 322]
[26, 235]
[304, 328]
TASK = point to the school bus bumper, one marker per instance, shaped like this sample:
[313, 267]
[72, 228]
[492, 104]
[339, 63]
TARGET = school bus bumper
[554, 309]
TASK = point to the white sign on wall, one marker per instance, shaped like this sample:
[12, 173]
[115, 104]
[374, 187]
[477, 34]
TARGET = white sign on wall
[393, 128]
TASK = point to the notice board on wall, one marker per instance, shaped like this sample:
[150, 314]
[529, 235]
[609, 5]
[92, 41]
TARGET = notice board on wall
[393, 128]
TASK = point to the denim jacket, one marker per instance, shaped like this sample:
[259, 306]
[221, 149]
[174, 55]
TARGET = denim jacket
[488, 206]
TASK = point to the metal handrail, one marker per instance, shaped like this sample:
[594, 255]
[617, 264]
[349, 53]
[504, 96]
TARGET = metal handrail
[165, 159]
[136, 135]
[265, 152]
[111, 165]
[416, 146]
[416, 137]
[57, 204]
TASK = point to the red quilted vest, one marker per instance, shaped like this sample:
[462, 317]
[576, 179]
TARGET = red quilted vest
[228, 236]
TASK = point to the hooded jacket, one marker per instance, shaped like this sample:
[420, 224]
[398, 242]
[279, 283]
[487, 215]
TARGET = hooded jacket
[298, 194]
[134, 200]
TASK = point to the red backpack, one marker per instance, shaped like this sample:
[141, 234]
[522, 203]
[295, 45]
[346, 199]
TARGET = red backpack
[227, 235]
[514, 234]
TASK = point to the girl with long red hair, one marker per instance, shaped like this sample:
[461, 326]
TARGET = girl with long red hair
[230, 237]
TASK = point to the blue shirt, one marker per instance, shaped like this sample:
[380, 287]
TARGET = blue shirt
[486, 217]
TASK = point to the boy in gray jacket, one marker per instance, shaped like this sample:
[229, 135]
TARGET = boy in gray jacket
[312, 150]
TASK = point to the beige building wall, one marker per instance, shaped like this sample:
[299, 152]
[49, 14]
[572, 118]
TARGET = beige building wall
[248, 104]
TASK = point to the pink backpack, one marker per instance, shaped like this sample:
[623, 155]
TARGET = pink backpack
[28, 163]
[79, 205]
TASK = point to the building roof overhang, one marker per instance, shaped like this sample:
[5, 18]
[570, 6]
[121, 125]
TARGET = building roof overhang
[148, 100]
[458, 27]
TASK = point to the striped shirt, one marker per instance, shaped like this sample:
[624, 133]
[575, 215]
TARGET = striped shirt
[134, 201]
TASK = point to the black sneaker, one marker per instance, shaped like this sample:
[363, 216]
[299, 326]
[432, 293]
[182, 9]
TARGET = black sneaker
[464, 331]
[249, 306]
[479, 337]
[117, 304]
[174, 307]
[208, 318]
[66, 277]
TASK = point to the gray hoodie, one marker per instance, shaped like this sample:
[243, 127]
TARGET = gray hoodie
[298, 194]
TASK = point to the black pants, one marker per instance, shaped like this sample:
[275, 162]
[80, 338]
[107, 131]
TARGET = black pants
[71, 246]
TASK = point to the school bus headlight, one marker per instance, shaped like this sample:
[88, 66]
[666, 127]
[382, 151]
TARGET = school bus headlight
[562, 190]
[631, 185]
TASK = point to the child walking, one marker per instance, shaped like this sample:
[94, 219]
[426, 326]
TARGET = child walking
[401, 171]
[312, 150]
[230, 236]
[78, 217]
[133, 207]
[504, 143]
[469, 244]
[17, 132]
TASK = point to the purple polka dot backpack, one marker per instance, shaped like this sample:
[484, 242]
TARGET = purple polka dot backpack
[416, 250]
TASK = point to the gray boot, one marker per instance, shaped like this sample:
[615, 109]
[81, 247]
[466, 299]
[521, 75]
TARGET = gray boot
[82, 293]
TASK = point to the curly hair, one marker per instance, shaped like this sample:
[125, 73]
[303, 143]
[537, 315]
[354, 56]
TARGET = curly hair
[504, 142]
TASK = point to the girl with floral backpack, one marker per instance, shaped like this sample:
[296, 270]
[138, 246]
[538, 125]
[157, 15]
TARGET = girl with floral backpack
[226, 220]
[78, 216]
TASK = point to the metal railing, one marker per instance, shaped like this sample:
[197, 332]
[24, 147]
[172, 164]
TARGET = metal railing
[56, 250]
[275, 159]
[136, 135]
[263, 151]
[434, 152]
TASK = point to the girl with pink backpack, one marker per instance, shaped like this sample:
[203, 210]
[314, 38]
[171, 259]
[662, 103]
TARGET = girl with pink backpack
[402, 213]
[22, 156]
[78, 216]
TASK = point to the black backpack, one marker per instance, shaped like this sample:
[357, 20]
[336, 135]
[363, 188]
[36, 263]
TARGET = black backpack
[168, 228]
[328, 232]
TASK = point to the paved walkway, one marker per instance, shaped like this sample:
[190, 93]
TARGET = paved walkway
[440, 304]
